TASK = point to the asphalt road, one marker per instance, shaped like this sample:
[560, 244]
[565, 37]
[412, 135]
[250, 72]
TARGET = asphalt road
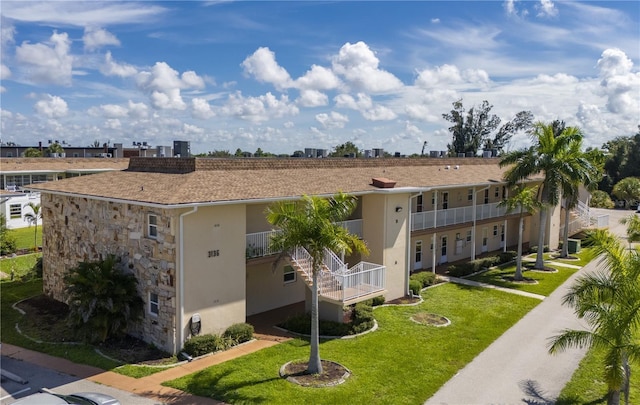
[41, 377]
[517, 368]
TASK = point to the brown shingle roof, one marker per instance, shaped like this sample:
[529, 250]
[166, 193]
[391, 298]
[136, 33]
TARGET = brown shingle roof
[217, 180]
[61, 165]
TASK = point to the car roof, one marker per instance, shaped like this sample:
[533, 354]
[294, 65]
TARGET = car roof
[40, 398]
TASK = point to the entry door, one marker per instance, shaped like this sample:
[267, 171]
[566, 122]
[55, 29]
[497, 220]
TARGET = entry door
[418, 256]
[443, 250]
[445, 201]
[501, 236]
[485, 239]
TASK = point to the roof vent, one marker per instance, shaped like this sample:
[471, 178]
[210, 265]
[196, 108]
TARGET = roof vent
[383, 182]
[447, 167]
[456, 167]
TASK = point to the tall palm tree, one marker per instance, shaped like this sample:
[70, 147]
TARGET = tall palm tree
[523, 199]
[33, 217]
[311, 223]
[551, 157]
[609, 301]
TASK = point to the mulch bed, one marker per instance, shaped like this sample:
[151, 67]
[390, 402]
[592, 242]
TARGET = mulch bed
[332, 374]
[404, 301]
[426, 318]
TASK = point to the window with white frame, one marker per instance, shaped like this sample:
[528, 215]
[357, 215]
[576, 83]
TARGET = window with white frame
[15, 211]
[152, 226]
[154, 304]
[468, 236]
[497, 192]
[289, 275]
[495, 230]
[470, 195]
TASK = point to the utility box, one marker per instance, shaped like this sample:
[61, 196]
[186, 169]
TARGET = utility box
[573, 245]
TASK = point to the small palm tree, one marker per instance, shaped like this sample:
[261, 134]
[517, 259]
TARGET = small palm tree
[103, 300]
[633, 228]
[523, 199]
[33, 217]
[311, 223]
[609, 301]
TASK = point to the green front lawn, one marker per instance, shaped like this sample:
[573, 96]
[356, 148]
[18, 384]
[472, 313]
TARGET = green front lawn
[24, 237]
[400, 363]
[20, 265]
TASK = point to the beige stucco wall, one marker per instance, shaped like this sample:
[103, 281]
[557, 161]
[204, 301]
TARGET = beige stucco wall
[79, 229]
[214, 267]
[385, 231]
[256, 218]
[267, 290]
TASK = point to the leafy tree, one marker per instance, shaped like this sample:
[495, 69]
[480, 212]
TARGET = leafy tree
[346, 149]
[32, 152]
[259, 153]
[311, 223]
[522, 199]
[608, 300]
[633, 228]
[555, 158]
[600, 199]
[477, 127]
[95, 144]
[32, 218]
[238, 153]
[8, 243]
[219, 154]
[627, 189]
[103, 300]
[55, 148]
[622, 157]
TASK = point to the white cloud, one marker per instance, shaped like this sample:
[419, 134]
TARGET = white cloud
[312, 98]
[5, 72]
[114, 111]
[262, 65]
[48, 63]
[421, 112]
[358, 64]
[52, 107]
[546, 8]
[113, 123]
[318, 78]
[435, 21]
[138, 110]
[619, 83]
[95, 38]
[112, 68]
[189, 129]
[164, 85]
[450, 75]
[257, 109]
[289, 124]
[379, 113]
[201, 109]
[364, 104]
[333, 120]
[558, 78]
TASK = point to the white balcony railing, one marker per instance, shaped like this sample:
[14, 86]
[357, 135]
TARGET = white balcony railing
[454, 216]
[259, 243]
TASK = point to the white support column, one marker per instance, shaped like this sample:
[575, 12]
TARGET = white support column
[473, 228]
[435, 226]
[504, 248]
[434, 243]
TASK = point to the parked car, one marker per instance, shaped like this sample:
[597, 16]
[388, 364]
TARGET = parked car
[80, 398]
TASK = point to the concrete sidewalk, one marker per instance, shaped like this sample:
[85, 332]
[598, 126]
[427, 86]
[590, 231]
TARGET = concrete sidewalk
[517, 368]
[147, 386]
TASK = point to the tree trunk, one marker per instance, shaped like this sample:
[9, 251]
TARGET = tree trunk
[565, 232]
[315, 365]
[613, 397]
[543, 225]
[627, 379]
[518, 275]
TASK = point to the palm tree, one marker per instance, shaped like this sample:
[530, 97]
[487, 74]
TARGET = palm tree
[633, 228]
[311, 223]
[524, 200]
[103, 300]
[33, 217]
[609, 301]
[552, 155]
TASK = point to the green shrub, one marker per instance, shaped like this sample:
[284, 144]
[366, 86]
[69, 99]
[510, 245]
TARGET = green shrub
[464, 269]
[361, 320]
[415, 286]
[8, 243]
[426, 278]
[377, 301]
[203, 344]
[506, 257]
[534, 249]
[239, 332]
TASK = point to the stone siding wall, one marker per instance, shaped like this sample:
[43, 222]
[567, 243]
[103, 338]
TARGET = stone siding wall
[79, 229]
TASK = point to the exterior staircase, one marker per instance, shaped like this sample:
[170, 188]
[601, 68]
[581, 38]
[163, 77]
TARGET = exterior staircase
[581, 218]
[336, 282]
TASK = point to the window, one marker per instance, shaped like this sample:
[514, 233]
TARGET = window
[486, 196]
[419, 203]
[497, 193]
[468, 236]
[154, 304]
[15, 211]
[289, 275]
[458, 236]
[470, 195]
[152, 226]
[495, 230]
[433, 198]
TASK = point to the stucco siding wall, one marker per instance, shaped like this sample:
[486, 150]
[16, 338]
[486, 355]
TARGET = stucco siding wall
[214, 267]
[266, 289]
[79, 230]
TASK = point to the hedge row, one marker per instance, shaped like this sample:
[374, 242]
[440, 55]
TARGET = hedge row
[473, 266]
[361, 320]
[209, 343]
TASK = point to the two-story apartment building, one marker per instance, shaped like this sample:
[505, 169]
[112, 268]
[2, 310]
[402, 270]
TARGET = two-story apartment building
[194, 231]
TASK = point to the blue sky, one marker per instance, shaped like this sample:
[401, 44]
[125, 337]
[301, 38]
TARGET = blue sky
[283, 76]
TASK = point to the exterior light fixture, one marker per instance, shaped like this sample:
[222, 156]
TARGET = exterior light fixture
[398, 209]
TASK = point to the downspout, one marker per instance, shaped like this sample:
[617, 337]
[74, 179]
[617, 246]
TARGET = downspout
[408, 255]
[434, 237]
[181, 282]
